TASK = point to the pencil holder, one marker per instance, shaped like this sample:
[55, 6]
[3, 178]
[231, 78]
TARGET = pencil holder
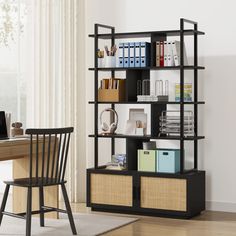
[100, 62]
[110, 61]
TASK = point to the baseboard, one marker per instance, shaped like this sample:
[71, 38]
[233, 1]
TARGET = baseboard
[221, 206]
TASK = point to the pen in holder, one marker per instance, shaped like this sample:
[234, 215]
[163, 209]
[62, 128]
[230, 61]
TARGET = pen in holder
[110, 60]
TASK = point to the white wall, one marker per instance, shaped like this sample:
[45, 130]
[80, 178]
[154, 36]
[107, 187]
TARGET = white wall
[217, 51]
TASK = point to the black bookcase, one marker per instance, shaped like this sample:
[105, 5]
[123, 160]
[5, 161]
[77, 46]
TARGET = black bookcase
[193, 181]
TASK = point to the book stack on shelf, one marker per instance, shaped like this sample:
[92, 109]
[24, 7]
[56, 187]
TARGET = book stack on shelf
[187, 92]
[168, 53]
[134, 54]
[118, 162]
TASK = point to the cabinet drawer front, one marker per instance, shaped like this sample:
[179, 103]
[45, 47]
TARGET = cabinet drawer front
[111, 189]
[164, 193]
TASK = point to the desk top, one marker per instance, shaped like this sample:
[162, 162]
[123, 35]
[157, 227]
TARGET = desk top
[14, 148]
[14, 141]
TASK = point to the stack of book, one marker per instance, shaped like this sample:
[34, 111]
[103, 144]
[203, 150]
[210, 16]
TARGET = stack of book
[112, 83]
[134, 54]
[168, 53]
[187, 92]
[118, 162]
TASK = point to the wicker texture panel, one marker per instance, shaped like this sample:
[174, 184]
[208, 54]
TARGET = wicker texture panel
[111, 189]
[164, 193]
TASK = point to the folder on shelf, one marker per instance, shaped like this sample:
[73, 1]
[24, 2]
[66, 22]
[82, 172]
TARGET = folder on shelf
[165, 53]
[161, 53]
[131, 54]
[157, 53]
[176, 53]
[104, 84]
[121, 54]
[145, 55]
[137, 54]
[170, 57]
[126, 54]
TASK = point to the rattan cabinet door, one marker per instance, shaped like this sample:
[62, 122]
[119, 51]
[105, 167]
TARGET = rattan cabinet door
[163, 193]
[112, 189]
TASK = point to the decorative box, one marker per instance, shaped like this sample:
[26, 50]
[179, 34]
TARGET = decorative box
[147, 160]
[168, 160]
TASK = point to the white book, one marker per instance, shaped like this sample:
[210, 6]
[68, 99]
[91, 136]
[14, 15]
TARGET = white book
[137, 50]
[126, 51]
[170, 57]
[165, 53]
[157, 53]
[176, 53]
[121, 50]
[132, 49]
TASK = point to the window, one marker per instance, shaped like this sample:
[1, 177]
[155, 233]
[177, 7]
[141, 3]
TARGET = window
[12, 80]
[12, 59]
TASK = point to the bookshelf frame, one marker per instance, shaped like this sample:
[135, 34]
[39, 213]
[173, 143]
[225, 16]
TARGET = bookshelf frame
[135, 142]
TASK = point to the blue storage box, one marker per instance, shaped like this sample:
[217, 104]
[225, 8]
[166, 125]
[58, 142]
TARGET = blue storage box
[168, 160]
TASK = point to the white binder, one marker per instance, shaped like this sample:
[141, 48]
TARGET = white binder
[170, 58]
[165, 53]
[131, 54]
[176, 53]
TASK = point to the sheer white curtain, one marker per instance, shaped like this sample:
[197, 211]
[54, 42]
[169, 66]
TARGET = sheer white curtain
[53, 74]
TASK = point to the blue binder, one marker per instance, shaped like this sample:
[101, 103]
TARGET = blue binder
[131, 54]
[145, 54]
[121, 54]
[137, 55]
[126, 54]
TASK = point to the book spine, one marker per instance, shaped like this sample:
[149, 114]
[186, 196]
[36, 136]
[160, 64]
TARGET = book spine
[157, 53]
[161, 54]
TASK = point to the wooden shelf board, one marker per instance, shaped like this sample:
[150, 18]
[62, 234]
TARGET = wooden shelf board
[190, 67]
[101, 169]
[146, 137]
[152, 103]
[147, 34]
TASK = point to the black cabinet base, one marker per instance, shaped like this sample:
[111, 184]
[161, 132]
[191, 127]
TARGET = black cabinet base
[184, 195]
[153, 213]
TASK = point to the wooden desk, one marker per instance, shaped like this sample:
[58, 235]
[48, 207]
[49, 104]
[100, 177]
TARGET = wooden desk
[18, 151]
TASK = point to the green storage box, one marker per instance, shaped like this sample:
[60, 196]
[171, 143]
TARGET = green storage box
[147, 160]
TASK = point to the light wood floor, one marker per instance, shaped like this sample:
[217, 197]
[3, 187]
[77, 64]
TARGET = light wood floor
[207, 224]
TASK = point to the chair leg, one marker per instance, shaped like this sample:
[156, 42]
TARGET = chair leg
[68, 209]
[4, 201]
[41, 204]
[29, 212]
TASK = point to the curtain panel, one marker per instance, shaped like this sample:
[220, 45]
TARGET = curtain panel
[53, 73]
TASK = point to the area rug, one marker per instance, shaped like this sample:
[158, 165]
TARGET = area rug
[86, 224]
